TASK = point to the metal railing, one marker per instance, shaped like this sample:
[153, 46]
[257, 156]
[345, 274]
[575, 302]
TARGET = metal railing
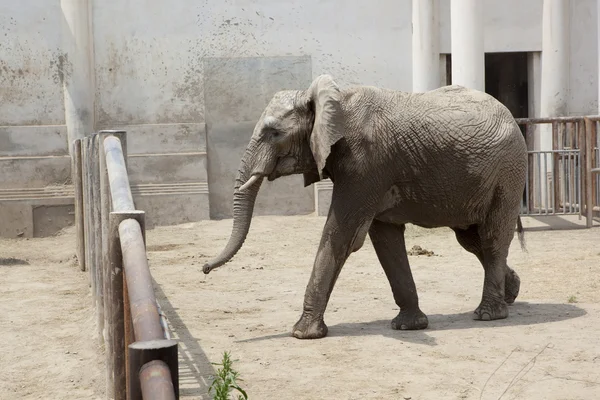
[141, 359]
[559, 175]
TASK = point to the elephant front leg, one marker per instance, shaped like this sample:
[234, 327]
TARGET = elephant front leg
[340, 238]
[388, 241]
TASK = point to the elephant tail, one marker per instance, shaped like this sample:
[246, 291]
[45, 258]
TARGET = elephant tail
[521, 233]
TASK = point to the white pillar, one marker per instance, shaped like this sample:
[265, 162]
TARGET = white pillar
[425, 45]
[555, 59]
[78, 68]
[468, 57]
[555, 79]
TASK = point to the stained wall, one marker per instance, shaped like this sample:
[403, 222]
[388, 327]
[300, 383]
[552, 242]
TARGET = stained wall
[188, 80]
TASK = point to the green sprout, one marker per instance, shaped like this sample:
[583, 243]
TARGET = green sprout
[226, 381]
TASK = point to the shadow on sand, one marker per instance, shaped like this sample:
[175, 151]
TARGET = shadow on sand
[520, 314]
[195, 368]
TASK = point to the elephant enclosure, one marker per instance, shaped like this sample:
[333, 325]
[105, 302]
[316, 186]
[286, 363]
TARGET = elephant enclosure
[548, 348]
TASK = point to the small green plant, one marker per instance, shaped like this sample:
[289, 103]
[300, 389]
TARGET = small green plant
[226, 381]
[572, 299]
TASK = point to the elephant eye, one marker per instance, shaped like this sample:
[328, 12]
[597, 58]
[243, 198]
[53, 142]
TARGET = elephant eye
[275, 134]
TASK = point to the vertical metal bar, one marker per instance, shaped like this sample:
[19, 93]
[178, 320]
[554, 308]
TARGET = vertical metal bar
[558, 133]
[546, 195]
[569, 181]
[527, 203]
[531, 165]
[579, 167]
[564, 182]
[539, 186]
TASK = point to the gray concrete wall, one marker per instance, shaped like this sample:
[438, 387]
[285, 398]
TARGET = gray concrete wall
[188, 80]
[236, 92]
[33, 136]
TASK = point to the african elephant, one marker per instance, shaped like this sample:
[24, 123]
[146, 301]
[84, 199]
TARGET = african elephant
[451, 157]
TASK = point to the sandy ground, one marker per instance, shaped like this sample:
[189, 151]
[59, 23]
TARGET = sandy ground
[548, 348]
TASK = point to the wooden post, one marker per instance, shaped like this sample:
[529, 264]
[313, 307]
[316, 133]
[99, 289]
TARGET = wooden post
[76, 173]
[141, 353]
[590, 128]
[97, 228]
[105, 265]
[85, 161]
[120, 304]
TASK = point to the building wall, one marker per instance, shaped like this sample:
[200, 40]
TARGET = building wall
[33, 135]
[189, 79]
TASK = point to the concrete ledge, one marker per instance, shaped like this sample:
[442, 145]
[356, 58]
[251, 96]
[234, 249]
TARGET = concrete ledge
[323, 191]
[164, 138]
[39, 212]
[162, 168]
[17, 172]
[45, 140]
[169, 188]
[42, 194]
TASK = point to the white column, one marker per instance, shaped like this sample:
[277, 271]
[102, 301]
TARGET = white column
[425, 45]
[555, 59]
[555, 78]
[468, 57]
[78, 68]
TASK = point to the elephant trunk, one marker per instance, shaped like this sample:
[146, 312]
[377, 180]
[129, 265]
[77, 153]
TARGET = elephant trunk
[244, 197]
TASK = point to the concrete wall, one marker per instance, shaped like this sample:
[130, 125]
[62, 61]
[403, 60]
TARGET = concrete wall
[33, 135]
[189, 79]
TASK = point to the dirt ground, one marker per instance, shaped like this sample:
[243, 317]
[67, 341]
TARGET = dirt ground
[548, 348]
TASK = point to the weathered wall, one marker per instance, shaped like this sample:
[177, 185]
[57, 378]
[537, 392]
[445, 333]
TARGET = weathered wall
[150, 63]
[33, 136]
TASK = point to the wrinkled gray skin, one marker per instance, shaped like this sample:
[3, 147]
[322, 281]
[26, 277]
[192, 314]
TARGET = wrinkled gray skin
[450, 157]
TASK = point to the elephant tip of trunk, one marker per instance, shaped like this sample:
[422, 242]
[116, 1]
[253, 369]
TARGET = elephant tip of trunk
[206, 269]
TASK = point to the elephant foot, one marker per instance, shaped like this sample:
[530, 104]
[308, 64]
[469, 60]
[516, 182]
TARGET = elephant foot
[410, 320]
[490, 310]
[511, 286]
[309, 328]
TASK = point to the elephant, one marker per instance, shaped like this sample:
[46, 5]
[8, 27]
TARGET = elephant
[450, 157]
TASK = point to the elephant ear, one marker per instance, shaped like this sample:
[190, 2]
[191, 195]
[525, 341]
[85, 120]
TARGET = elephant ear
[324, 94]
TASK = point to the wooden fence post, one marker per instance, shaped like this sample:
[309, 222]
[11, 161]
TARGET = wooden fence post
[119, 311]
[77, 177]
[85, 162]
[590, 128]
[97, 232]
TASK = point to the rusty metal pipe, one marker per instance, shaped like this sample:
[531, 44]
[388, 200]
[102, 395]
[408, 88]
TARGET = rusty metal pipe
[120, 191]
[144, 312]
[156, 382]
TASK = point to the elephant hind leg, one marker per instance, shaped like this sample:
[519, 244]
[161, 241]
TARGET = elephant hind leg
[388, 241]
[469, 239]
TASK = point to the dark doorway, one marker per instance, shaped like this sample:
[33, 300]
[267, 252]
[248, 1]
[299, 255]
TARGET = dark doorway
[506, 80]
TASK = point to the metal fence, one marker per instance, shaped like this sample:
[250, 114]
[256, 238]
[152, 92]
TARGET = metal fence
[141, 359]
[559, 176]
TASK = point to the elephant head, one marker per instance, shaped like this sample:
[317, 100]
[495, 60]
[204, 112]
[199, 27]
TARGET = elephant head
[293, 135]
